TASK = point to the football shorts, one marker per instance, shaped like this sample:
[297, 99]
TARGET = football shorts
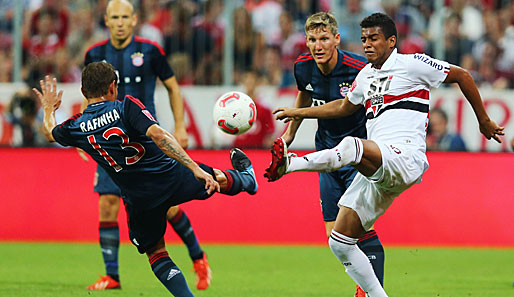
[402, 167]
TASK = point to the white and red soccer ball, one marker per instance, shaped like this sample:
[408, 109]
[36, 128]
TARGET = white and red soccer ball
[234, 113]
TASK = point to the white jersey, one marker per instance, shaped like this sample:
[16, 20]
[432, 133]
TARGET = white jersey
[396, 97]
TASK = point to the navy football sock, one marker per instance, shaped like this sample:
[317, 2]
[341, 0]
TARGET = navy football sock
[170, 275]
[372, 247]
[110, 243]
[238, 182]
[181, 224]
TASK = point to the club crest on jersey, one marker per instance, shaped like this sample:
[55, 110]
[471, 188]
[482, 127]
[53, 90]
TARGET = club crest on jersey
[344, 88]
[137, 59]
[376, 103]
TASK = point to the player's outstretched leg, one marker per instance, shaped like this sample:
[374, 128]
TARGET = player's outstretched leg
[242, 179]
[182, 226]
[347, 152]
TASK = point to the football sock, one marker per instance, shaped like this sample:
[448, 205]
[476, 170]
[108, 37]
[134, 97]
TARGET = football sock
[356, 263]
[170, 275]
[372, 247]
[110, 243]
[238, 182]
[347, 152]
[181, 224]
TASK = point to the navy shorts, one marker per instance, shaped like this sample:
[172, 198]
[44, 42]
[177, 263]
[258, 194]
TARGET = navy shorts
[332, 186]
[104, 184]
[147, 227]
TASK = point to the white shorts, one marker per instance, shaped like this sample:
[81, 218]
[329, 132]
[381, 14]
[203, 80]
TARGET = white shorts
[402, 167]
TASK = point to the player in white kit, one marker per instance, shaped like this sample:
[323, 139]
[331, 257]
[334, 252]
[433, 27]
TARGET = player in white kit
[395, 91]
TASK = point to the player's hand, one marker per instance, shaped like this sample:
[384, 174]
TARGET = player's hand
[82, 154]
[210, 184]
[491, 130]
[181, 136]
[50, 99]
[286, 114]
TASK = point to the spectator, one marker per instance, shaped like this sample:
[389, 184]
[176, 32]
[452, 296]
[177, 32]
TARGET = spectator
[438, 137]
[456, 44]
[60, 21]
[272, 66]
[22, 114]
[248, 44]
[349, 26]
[261, 134]
[265, 19]
[292, 45]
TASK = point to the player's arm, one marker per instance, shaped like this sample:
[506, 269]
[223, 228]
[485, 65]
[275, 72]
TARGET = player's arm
[170, 146]
[50, 101]
[331, 110]
[468, 87]
[177, 108]
[303, 99]
[80, 151]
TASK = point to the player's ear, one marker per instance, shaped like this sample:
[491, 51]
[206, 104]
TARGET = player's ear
[134, 20]
[391, 41]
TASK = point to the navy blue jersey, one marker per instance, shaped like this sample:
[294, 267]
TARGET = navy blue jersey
[326, 88]
[138, 65]
[113, 133]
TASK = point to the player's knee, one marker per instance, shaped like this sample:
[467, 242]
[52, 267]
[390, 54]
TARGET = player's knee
[349, 150]
[108, 207]
[341, 245]
[172, 212]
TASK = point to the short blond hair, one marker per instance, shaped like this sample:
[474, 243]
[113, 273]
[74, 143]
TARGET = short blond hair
[321, 20]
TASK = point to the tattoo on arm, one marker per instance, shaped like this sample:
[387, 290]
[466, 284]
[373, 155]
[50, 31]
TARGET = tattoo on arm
[174, 150]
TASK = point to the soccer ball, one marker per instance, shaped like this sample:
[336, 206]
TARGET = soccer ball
[234, 113]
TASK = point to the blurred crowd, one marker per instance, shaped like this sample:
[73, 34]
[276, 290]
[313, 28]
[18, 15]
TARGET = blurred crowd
[268, 35]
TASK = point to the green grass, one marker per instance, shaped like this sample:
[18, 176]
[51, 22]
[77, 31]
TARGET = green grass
[47, 269]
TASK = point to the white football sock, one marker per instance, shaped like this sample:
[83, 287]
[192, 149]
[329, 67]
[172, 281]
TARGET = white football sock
[348, 151]
[356, 263]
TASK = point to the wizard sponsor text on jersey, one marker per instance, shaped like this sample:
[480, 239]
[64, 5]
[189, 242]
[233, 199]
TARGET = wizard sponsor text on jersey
[429, 61]
[100, 121]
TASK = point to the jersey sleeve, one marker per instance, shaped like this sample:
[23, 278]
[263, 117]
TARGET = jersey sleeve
[61, 134]
[428, 70]
[160, 65]
[355, 94]
[300, 82]
[136, 115]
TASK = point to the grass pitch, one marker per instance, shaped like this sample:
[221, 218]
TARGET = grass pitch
[48, 269]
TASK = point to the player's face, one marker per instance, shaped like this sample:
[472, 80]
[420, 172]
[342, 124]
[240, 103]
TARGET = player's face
[376, 47]
[322, 44]
[121, 20]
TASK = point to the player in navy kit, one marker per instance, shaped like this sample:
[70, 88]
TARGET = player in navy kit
[138, 63]
[325, 74]
[152, 170]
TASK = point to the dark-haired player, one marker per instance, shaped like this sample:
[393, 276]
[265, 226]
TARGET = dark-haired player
[138, 63]
[323, 75]
[394, 90]
[152, 170]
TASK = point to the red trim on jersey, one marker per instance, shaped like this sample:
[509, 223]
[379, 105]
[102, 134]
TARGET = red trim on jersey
[108, 224]
[352, 65]
[72, 118]
[421, 94]
[355, 61]
[158, 256]
[141, 39]
[304, 57]
[136, 101]
[96, 45]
